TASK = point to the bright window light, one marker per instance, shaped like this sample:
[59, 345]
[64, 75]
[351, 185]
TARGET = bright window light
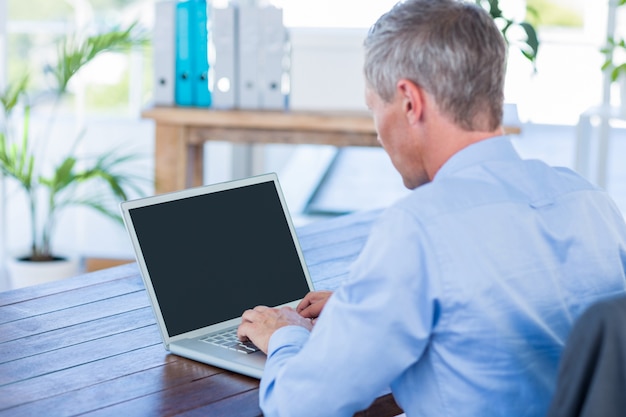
[332, 13]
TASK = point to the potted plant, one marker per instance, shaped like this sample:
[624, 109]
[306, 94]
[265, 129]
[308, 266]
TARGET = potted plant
[52, 186]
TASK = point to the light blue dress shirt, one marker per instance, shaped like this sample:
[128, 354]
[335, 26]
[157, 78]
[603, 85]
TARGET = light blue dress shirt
[462, 298]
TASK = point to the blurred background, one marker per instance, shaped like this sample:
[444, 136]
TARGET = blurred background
[546, 101]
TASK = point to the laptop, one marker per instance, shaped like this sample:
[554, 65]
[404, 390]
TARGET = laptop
[209, 253]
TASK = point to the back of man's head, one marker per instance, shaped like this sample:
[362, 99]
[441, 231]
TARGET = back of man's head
[450, 48]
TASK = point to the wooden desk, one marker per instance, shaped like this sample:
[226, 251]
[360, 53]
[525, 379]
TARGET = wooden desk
[181, 133]
[90, 345]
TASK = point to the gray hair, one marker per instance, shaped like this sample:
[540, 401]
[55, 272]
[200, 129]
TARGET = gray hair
[450, 48]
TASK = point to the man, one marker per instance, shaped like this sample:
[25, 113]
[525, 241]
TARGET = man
[466, 290]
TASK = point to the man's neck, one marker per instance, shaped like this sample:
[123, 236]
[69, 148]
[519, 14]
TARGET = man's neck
[448, 139]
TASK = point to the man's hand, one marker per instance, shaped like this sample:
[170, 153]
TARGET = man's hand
[312, 304]
[260, 323]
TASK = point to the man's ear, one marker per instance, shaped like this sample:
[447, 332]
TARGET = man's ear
[413, 100]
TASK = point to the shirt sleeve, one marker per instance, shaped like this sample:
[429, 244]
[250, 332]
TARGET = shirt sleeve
[371, 330]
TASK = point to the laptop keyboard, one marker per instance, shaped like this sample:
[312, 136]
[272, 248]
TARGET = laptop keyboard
[228, 339]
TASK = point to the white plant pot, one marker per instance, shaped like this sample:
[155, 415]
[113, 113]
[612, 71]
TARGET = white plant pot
[25, 273]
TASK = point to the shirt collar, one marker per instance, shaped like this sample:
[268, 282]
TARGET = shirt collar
[497, 148]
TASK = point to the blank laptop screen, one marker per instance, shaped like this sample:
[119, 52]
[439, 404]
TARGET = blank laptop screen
[211, 257]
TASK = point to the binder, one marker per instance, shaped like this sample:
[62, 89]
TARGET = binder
[183, 89]
[273, 39]
[223, 32]
[201, 95]
[248, 57]
[192, 85]
[164, 52]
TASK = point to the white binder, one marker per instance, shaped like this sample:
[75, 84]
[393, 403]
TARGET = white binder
[249, 45]
[272, 53]
[164, 59]
[224, 43]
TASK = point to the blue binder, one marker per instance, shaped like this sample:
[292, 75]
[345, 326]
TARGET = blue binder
[182, 87]
[200, 61]
[192, 68]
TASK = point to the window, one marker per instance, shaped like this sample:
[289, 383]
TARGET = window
[568, 78]
[332, 13]
[34, 26]
[106, 103]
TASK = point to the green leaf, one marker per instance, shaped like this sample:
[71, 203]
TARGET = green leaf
[66, 167]
[620, 69]
[530, 46]
[13, 154]
[12, 93]
[30, 170]
[25, 133]
[531, 40]
[491, 6]
[74, 54]
[63, 175]
[533, 12]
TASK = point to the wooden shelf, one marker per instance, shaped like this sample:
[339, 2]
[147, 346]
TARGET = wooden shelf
[182, 131]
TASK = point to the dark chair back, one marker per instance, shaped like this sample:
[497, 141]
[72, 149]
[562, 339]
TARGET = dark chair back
[592, 372]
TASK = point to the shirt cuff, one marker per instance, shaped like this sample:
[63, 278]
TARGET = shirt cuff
[293, 337]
